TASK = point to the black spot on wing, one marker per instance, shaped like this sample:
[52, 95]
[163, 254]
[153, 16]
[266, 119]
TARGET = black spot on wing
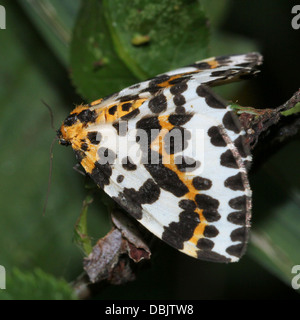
[209, 205]
[179, 119]
[205, 244]
[238, 203]
[211, 256]
[180, 109]
[129, 97]
[94, 137]
[211, 98]
[148, 123]
[130, 115]
[236, 250]
[166, 178]
[186, 204]
[216, 137]
[210, 231]
[126, 106]
[120, 178]
[112, 110]
[178, 88]
[201, 66]
[225, 73]
[179, 100]
[149, 192]
[225, 59]
[182, 78]
[231, 122]
[158, 104]
[101, 174]
[159, 79]
[178, 232]
[228, 160]
[237, 217]
[235, 182]
[128, 165]
[128, 199]
[87, 115]
[131, 200]
[200, 183]
[239, 234]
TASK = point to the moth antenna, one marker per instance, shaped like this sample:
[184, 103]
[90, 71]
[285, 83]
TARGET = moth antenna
[50, 175]
[51, 114]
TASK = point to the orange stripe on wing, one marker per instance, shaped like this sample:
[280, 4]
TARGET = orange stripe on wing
[169, 162]
[213, 63]
[115, 111]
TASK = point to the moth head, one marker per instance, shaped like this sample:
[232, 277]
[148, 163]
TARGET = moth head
[63, 141]
[74, 129]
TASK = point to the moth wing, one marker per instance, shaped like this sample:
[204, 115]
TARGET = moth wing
[203, 211]
[212, 71]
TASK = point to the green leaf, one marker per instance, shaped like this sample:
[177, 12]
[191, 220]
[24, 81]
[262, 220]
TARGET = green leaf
[177, 31]
[96, 68]
[115, 46]
[294, 110]
[54, 20]
[81, 237]
[35, 285]
[276, 206]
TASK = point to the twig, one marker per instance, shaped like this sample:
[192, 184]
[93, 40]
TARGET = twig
[258, 121]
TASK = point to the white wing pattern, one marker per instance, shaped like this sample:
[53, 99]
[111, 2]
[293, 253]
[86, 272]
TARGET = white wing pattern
[173, 155]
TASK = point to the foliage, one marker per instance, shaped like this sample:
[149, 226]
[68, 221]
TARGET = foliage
[35, 285]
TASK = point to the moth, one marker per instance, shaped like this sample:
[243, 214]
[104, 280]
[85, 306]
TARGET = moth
[173, 155]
